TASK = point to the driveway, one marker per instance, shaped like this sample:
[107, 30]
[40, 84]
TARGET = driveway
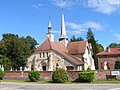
[27, 86]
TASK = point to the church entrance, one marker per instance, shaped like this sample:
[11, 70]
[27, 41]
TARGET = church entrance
[44, 66]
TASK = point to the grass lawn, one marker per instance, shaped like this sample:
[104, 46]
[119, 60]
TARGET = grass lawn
[49, 82]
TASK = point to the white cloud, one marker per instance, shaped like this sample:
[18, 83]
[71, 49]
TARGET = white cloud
[63, 3]
[117, 36]
[103, 6]
[38, 6]
[79, 28]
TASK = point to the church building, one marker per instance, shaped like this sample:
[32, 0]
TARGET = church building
[51, 54]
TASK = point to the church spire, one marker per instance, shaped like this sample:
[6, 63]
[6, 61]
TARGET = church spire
[63, 30]
[63, 37]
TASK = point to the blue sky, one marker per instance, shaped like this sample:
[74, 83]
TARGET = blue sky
[30, 17]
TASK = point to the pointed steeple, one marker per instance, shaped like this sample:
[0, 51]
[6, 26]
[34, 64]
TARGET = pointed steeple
[63, 37]
[63, 30]
[49, 34]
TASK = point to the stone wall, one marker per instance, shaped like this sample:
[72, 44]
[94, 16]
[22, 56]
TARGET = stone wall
[111, 59]
[47, 75]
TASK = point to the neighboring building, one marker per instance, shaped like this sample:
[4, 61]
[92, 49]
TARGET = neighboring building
[51, 54]
[110, 56]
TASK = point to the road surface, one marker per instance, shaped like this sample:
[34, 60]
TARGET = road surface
[29, 86]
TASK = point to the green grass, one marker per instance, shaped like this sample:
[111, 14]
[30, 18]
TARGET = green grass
[107, 81]
[50, 82]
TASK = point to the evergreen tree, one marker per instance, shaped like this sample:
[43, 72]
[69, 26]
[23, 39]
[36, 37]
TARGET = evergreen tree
[91, 39]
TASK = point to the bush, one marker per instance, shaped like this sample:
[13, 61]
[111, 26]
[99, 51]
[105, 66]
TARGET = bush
[34, 75]
[117, 64]
[60, 76]
[88, 69]
[86, 76]
[2, 73]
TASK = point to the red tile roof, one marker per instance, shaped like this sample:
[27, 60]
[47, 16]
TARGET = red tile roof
[59, 48]
[76, 47]
[48, 45]
[112, 51]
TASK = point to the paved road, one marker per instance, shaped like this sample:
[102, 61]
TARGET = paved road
[26, 86]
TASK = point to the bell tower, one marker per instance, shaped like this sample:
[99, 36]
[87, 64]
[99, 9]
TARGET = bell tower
[49, 34]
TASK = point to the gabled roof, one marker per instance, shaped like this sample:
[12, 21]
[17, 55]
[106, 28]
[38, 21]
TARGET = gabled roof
[76, 47]
[48, 45]
[60, 49]
[70, 58]
[112, 51]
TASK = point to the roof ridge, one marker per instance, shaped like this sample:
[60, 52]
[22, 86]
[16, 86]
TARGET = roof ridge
[50, 44]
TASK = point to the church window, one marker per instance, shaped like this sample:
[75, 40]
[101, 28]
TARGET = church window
[47, 54]
[43, 54]
[40, 55]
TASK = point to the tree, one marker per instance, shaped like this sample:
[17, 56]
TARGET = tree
[100, 48]
[89, 35]
[74, 39]
[80, 39]
[17, 49]
[114, 45]
[91, 39]
[6, 62]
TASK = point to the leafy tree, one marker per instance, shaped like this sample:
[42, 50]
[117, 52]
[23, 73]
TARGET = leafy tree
[17, 49]
[100, 48]
[80, 39]
[74, 39]
[6, 62]
[114, 45]
[32, 42]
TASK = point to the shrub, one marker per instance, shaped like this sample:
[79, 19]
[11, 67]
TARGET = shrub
[60, 76]
[117, 64]
[88, 69]
[2, 73]
[34, 75]
[87, 76]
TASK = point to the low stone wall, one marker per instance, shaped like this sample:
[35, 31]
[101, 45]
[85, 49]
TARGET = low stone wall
[47, 75]
[103, 74]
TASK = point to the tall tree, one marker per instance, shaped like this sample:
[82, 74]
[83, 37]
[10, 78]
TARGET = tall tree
[89, 35]
[91, 39]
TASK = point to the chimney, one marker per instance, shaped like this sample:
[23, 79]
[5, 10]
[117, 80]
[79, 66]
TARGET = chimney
[109, 49]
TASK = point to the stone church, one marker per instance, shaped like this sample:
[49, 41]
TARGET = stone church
[51, 54]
